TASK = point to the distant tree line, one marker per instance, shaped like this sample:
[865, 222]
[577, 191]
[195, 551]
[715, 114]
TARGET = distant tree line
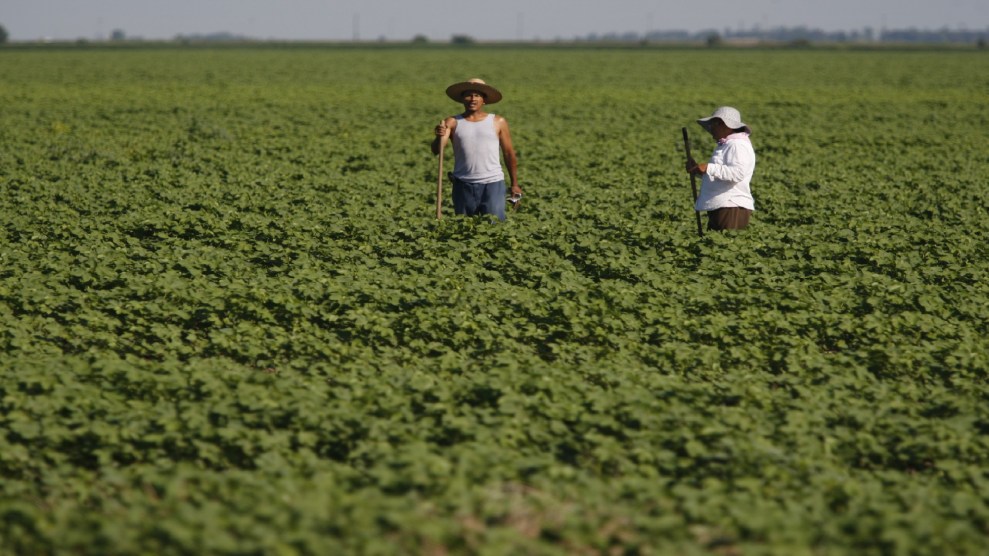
[799, 34]
[711, 37]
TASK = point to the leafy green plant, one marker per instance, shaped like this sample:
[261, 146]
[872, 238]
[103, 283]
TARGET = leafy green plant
[230, 325]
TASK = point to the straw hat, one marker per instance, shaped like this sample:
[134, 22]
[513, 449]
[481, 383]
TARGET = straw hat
[730, 116]
[456, 91]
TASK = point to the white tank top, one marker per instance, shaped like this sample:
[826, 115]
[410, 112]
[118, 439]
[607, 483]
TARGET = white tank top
[475, 151]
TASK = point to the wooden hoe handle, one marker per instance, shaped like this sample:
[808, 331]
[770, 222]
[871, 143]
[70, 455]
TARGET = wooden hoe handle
[693, 182]
[439, 183]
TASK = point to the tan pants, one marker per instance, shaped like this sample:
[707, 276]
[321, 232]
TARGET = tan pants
[728, 218]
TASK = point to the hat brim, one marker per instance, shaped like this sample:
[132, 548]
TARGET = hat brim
[706, 124]
[457, 90]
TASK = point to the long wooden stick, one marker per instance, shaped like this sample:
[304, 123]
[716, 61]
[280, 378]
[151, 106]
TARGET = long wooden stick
[439, 183]
[693, 183]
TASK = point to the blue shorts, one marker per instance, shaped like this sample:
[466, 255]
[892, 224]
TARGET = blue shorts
[479, 198]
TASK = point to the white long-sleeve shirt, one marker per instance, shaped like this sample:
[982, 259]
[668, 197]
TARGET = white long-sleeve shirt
[729, 172]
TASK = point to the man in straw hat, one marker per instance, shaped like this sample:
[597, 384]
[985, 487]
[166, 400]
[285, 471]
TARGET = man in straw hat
[478, 178]
[725, 193]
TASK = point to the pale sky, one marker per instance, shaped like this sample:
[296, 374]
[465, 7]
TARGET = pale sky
[400, 20]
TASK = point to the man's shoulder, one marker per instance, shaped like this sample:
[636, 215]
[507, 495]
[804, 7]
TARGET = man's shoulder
[737, 143]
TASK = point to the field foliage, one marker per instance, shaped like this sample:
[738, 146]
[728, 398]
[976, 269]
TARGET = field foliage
[230, 323]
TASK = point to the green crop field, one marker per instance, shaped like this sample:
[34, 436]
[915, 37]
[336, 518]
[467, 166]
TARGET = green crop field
[231, 323]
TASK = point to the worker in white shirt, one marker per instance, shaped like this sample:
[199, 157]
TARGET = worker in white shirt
[478, 137]
[725, 185]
